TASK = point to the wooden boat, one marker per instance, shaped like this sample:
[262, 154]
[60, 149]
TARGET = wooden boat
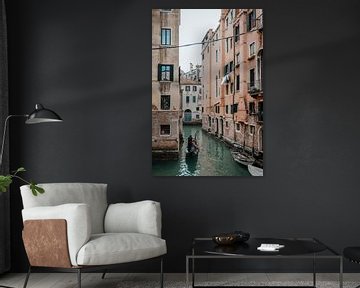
[194, 148]
[242, 158]
[255, 171]
[193, 152]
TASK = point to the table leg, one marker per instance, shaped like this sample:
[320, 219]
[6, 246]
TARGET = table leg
[187, 272]
[193, 272]
[341, 273]
[314, 271]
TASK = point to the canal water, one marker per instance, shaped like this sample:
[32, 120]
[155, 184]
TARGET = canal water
[214, 158]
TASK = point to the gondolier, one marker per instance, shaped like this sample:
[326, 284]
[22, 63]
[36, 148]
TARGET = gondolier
[192, 146]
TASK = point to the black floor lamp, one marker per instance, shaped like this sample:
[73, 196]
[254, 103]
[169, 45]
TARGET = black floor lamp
[39, 115]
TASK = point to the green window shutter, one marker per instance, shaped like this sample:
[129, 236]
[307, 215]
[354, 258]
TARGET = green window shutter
[171, 72]
[159, 72]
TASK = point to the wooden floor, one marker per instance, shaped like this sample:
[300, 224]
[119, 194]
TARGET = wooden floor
[117, 280]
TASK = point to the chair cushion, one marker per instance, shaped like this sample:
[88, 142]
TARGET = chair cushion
[137, 217]
[92, 194]
[352, 253]
[114, 248]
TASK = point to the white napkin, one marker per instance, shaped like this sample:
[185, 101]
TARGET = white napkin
[270, 247]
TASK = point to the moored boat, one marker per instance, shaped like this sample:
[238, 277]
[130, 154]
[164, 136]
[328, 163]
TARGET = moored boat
[242, 158]
[255, 171]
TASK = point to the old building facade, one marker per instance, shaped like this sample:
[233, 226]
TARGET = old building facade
[191, 101]
[166, 100]
[233, 79]
[211, 63]
[191, 95]
[195, 73]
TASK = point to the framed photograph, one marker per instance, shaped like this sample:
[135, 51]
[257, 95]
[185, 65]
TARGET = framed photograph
[207, 92]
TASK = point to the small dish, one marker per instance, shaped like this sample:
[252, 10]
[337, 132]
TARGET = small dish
[225, 239]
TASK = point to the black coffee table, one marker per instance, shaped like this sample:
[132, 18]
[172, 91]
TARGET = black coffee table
[294, 248]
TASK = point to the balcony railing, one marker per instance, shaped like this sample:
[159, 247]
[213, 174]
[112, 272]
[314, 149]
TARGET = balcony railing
[255, 87]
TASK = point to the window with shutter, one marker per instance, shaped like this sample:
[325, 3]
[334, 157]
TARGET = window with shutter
[237, 33]
[251, 20]
[165, 36]
[252, 77]
[165, 72]
[226, 69]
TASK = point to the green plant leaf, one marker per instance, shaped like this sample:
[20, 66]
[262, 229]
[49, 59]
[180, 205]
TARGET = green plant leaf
[39, 189]
[33, 189]
[36, 189]
[20, 169]
[5, 182]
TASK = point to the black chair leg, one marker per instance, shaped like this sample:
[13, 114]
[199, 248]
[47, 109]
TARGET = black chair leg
[161, 273]
[103, 275]
[79, 277]
[27, 277]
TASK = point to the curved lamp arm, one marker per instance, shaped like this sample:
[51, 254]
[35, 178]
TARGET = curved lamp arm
[39, 115]
[4, 134]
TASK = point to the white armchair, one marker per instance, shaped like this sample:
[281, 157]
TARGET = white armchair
[72, 228]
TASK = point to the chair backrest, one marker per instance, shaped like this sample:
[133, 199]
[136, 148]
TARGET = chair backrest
[62, 193]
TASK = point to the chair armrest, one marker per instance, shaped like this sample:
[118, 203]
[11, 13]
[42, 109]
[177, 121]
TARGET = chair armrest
[138, 217]
[77, 218]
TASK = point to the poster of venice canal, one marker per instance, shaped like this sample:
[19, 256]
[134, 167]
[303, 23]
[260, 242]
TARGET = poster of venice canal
[207, 92]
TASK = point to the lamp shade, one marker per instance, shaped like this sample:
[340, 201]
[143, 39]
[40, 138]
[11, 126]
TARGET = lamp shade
[42, 115]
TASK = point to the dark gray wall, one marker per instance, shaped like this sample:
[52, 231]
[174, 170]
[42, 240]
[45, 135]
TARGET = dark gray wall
[91, 61]
[4, 166]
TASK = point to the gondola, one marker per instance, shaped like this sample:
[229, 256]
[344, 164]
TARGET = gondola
[193, 149]
[193, 152]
